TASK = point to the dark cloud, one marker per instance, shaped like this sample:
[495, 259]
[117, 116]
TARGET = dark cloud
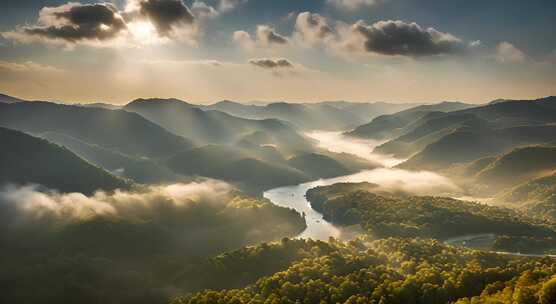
[166, 14]
[266, 63]
[406, 39]
[74, 22]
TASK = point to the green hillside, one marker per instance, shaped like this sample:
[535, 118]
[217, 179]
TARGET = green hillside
[243, 168]
[519, 165]
[154, 248]
[318, 166]
[141, 170]
[391, 126]
[29, 160]
[416, 216]
[427, 130]
[516, 112]
[390, 271]
[121, 131]
[468, 144]
[537, 196]
[335, 116]
[215, 127]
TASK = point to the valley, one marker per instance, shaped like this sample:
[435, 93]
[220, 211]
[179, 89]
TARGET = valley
[266, 196]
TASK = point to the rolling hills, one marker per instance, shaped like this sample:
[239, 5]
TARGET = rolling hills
[139, 169]
[390, 126]
[467, 144]
[332, 115]
[118, 130]
[215, 127]
[25, 159]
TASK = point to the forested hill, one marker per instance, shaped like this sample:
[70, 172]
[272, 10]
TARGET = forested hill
[390, 271]
[119, 130]
[418, 216]
[29, 160]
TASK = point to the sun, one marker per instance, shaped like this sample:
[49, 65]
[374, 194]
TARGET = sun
[143, 32]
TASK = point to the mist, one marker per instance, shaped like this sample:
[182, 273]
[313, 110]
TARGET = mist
[338, 143]
[107, 246]
[32, 202]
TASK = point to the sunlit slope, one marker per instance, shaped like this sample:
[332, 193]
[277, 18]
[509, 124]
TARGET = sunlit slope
[427, 130]
[334, 116]
[250, 171]
[519, 165]
[390, 271]
[141, 170]
[214, 127]
[117, 130]
[390, 126]
[537, 196]
[467, 144]
[386, 215]
[28, 160]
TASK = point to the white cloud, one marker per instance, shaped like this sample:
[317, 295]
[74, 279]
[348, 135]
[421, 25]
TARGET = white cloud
[104, 25]
[352, 5]
[244, 40]
[312, 29]
[202, 10]
[266, 37]
[508, 53]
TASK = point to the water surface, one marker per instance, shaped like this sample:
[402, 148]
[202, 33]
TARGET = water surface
[387, 178]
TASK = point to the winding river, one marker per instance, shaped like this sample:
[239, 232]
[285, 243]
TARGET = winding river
[387, 177]
[419, 183]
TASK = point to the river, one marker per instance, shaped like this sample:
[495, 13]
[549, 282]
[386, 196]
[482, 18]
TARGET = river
[418, 183]
[387, 177]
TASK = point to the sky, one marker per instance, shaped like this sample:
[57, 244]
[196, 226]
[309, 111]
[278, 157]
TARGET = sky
[204, 51]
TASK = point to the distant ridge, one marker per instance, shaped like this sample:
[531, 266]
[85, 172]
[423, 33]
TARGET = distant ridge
[9, 99]
[25, 159]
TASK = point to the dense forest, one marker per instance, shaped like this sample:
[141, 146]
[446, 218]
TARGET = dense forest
[419, 216]
[126, 247]
[392, 271]
[93, 217]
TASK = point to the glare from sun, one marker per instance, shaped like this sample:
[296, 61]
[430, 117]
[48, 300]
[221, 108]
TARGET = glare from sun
[143, 32]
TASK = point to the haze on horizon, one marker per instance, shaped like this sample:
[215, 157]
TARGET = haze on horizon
[302, 51]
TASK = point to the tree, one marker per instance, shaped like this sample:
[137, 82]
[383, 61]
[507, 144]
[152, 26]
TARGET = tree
[548, 292]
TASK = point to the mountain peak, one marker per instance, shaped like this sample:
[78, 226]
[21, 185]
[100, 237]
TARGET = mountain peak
[144, 101]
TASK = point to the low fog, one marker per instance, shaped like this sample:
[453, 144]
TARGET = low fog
[388, 178]
[336, 142]
[106, 247]
[32, 202]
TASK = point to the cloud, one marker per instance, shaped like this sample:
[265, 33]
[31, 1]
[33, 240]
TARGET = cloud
[244, 40]
[399, 38]
[267, 63]
[202, 10]
[266, 37]
[168, 16]
[312, 29]
[30, 203]
[23, 74]
[508, 53]
[228, 5]
[352, 5]
[72, 23]
[28, 66]
[102, 24]
[475, 44]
